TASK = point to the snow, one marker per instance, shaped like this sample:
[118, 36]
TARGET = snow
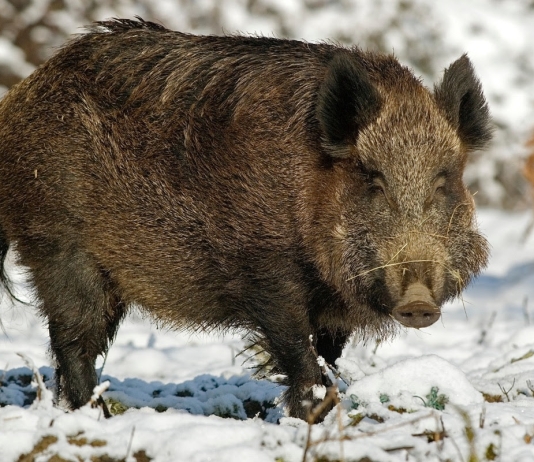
[413, 378]
[319, 391]
[188, 397]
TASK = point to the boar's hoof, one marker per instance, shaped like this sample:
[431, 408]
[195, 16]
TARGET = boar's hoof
[416, 314]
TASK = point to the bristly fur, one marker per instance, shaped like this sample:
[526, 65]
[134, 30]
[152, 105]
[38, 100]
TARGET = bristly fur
[298, 191]
[117, 25]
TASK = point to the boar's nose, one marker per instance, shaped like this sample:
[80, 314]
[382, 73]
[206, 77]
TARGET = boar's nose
[416, 308]
[416, 314]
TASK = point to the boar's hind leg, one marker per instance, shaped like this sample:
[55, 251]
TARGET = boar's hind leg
[330, 345]
[83, 316]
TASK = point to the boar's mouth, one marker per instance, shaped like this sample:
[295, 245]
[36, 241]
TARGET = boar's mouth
[417, 308]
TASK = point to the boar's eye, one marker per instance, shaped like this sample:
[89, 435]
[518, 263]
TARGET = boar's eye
[376, 186]
[438, 187]
[439, 184]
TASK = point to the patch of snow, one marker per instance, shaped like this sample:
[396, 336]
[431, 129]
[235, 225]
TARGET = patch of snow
[319, 391]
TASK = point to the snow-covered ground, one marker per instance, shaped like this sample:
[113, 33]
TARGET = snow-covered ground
[461, 390]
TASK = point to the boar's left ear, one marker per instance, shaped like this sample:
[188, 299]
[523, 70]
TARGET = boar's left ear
[460, 97]
[347, 102]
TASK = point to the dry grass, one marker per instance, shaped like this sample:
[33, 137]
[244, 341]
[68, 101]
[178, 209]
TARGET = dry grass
[44, 448]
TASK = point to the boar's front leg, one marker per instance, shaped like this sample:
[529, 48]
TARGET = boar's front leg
[297, 360]
[287, 338]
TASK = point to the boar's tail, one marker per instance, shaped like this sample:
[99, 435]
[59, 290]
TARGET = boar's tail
[4, 281]
[4, 246]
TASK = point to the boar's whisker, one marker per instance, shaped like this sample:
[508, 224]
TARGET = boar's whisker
[424, 220]
[459, 281]
[363, 273]
[453, 212]
[395, 256]
[440, 236]
[454, 273]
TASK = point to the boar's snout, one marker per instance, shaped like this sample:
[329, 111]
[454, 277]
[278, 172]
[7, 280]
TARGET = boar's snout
[417, 314]
[416, 308]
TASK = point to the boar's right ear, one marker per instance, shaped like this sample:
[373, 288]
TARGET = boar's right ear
[347, 102]
[460, 96]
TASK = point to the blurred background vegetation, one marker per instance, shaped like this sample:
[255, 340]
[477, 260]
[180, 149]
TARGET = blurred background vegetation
[426, 35]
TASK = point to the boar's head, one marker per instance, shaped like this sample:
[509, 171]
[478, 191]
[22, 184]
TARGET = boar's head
[398, 234]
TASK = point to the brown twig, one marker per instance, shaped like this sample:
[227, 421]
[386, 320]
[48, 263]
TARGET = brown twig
[507, 391]
[485, 330]
[315, 413]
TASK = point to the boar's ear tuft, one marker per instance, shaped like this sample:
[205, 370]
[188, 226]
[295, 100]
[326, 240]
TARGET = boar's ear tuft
[460, 96]
[347, 102]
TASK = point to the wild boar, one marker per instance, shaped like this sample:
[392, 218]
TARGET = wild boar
[303, 192]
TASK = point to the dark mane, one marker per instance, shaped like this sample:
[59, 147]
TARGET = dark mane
[123, 25]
